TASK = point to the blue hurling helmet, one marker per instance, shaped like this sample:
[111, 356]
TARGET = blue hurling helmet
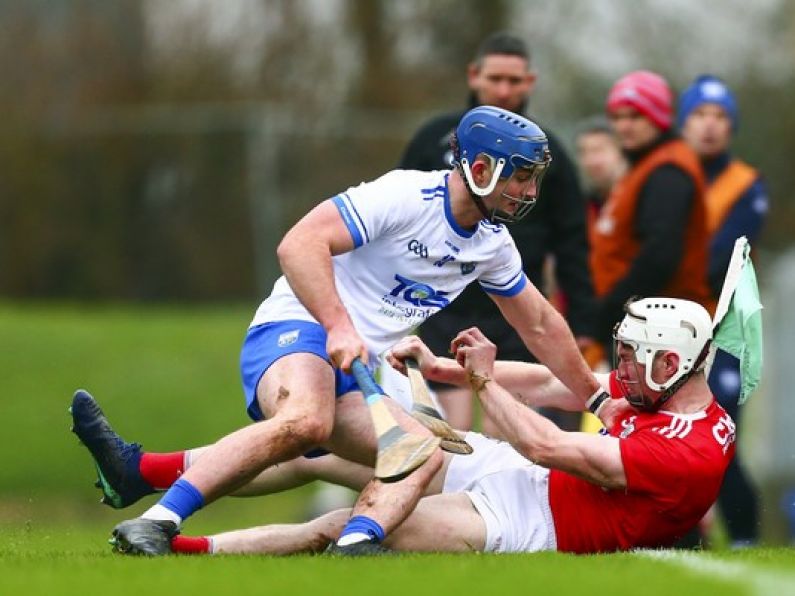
[516, 147]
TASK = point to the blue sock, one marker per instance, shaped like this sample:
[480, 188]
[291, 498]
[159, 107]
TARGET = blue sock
[182, 498]
[361, 524]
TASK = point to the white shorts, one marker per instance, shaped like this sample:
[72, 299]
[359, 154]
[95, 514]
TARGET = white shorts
[509, 491]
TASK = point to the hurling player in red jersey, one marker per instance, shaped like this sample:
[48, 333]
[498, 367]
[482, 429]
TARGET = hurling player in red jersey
[643, 483]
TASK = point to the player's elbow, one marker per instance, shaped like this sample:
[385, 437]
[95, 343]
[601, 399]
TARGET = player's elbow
[287, 249]
[541, 448]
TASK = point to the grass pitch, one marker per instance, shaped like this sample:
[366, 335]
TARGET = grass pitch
[167, 377]
[73, 560]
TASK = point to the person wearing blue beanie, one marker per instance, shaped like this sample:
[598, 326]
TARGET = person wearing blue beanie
[737, 204]
[708, 89]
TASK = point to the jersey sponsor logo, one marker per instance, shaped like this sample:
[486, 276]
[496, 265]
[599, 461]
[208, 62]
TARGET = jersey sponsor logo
[288, 337]
[443, 260]
[418, 248]
[412, 315]
[418, 294]
[467, 268]
[723, 432]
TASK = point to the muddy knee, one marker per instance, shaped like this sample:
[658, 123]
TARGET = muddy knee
[305, 430]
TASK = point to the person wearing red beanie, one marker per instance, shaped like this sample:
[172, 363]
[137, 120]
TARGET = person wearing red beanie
[647, 93]
[649, 238]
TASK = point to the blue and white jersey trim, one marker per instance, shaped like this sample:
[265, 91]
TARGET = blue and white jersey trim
[353, 221]
[512, 288]
[438, 192]
[448, 213]
[496, 228]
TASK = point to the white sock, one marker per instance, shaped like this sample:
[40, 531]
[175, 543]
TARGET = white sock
[158, 512]
[353, 538]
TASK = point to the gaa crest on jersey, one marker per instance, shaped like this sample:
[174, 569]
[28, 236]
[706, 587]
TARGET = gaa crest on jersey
[628, 427]
[467, 268]
[288, 338]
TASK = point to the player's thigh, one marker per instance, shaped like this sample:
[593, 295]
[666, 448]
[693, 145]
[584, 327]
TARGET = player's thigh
[297, 385]
[353, 436]
[457, 405]
[448, 523]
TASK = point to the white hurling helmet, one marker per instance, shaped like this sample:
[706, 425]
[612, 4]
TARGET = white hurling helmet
[667, 324]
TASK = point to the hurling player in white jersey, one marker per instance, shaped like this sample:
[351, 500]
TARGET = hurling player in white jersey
[643, 483]
[361, 270]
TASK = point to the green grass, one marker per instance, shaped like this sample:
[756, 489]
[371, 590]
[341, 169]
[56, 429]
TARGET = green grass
[71, 561]
[167, 377]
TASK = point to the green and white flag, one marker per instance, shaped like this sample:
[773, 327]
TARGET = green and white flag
[738, 318]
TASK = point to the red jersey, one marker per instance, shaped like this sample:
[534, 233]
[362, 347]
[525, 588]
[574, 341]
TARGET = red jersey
[674, 465]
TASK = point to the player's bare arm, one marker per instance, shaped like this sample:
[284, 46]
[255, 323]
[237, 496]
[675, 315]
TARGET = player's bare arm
[531, 384]
[595, 458]
[548, 337]
[305, 257]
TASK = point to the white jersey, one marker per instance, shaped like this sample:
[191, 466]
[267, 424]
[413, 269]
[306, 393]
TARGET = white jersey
[410, 258]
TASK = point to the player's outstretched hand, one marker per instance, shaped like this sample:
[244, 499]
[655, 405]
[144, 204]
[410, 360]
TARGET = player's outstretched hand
[411, 347]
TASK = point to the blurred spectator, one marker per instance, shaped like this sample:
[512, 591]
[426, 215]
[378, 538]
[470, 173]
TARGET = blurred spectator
[501, 75]
[736, 206]
[601, 162]
[650, 236]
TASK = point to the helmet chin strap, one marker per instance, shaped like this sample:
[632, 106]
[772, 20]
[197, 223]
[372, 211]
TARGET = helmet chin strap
[479, 204]
[477, 195]
[668, 393]
[644, 402]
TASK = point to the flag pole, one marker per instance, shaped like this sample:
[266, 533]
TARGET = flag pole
[736, 265]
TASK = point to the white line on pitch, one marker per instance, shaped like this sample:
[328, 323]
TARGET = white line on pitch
[761, 582]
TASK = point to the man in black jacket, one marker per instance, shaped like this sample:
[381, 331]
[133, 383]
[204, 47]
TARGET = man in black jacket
[501, 75]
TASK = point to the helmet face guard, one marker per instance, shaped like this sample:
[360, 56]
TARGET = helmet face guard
[518, 152]
[655, 325]
[630, 382]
